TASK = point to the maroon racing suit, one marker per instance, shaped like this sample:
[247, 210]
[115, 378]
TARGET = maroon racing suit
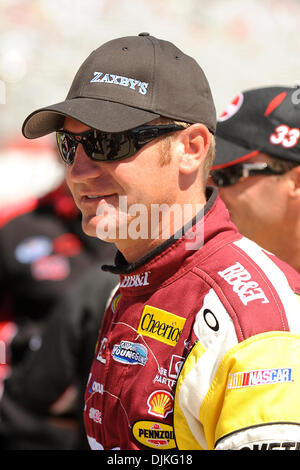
[198, 348]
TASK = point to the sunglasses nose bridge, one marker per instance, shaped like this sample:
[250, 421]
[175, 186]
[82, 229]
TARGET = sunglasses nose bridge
[218, 178]
[83, 167]
[228, 176]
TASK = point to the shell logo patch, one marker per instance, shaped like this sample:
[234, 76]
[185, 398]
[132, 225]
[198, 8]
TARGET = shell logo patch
[160, 403]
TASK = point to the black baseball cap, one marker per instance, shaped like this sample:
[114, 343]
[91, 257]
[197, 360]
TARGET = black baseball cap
[128, 82]
[263, 120]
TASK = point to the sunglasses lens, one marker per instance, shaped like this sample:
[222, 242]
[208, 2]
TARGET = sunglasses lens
[219, 178]
[226, 176]
[67, 147]
[107, 146]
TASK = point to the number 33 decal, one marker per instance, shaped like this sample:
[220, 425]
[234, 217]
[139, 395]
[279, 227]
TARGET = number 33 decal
[285, 136]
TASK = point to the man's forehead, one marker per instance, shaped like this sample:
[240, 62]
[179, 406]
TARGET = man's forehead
[72, 125]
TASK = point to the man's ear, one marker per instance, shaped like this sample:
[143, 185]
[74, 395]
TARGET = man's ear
[196, 141]
[294, 175]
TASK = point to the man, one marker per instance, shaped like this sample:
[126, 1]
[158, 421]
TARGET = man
[257, 168]
[197, 349]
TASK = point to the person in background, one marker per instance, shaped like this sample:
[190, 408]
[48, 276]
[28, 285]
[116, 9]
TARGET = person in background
[43, 254]
[43, 398]
[257, 168]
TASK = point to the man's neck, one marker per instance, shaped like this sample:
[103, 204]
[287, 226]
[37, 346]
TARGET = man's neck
[170, 224]
[289, 252]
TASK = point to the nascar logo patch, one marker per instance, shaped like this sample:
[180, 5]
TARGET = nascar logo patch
[259, 377]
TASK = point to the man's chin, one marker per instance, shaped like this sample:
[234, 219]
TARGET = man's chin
[89, 226]
[99, 228]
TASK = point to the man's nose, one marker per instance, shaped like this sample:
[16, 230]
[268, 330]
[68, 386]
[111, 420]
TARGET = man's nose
[83, 167]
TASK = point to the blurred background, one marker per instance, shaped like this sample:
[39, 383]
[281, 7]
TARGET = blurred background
[240, 45]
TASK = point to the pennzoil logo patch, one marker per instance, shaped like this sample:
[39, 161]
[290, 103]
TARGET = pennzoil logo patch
[154, 434]
[161, 325]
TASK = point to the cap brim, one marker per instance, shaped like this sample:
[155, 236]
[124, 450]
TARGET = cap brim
[228, 153]
[103, 115]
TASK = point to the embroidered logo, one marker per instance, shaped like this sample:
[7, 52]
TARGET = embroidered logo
[130, 353]
[96, 387]
[136, 280]
[101, 357]
[259, 377]
[168, 377]
[161, 325]
[160, 403]
[247, 290]
[95, 415]
[154, 435]
[136, 85]
[115, 302]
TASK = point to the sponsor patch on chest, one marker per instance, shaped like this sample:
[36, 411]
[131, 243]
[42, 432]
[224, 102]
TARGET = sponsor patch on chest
[161, 325]
[128, 352]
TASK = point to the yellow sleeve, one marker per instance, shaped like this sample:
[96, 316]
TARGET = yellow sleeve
[253, 397]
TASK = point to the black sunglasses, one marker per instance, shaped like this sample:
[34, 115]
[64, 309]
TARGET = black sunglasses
[109, 146]
[232, 174]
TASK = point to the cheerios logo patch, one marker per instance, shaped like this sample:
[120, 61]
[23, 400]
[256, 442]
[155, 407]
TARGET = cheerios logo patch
[161, 325]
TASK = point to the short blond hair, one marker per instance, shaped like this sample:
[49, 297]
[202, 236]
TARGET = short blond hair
[280, 165]
[166, 142]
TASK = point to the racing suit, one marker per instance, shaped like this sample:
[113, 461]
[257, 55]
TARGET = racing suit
[199, 348]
